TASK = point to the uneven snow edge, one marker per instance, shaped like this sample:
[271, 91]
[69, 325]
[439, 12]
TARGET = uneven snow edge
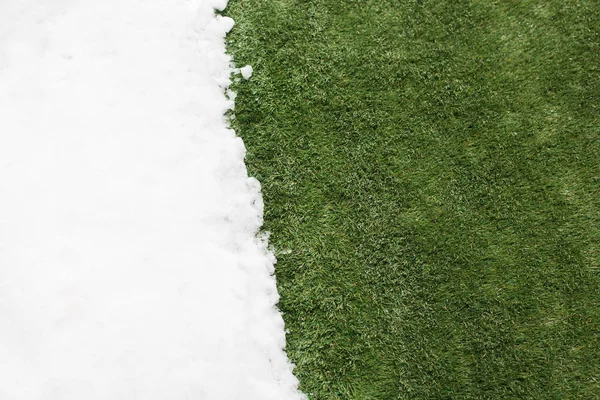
[131, 261]
[262, 267]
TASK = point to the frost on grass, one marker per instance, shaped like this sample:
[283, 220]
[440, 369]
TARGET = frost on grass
[129, 261]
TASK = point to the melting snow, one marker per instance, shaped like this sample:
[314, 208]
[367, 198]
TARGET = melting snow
[129, 267]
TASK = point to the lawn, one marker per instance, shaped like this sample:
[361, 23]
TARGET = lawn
[431, 177]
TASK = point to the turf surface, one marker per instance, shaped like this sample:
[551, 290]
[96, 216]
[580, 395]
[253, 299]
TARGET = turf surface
[431, 174]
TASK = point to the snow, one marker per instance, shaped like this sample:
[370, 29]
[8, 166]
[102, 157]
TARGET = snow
[246, 71]
[129, 263]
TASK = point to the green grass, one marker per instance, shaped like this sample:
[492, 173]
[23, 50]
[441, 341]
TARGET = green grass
[431, 174]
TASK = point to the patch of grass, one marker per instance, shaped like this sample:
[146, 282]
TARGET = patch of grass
[433, 168]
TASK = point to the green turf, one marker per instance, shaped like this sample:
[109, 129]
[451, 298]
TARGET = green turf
[431, 174]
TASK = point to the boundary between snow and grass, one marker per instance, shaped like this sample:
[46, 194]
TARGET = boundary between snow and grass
[285, 367]
[131, 265]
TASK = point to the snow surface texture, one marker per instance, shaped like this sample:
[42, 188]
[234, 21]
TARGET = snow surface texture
[129, 266]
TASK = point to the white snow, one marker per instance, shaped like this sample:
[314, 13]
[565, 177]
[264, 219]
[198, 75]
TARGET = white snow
[246, 71]
[129, 267]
